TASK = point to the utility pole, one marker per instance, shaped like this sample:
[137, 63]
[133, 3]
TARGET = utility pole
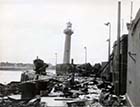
[117, 71]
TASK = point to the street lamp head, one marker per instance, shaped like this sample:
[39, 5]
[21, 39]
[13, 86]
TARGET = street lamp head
[85, 47]
[107, 23]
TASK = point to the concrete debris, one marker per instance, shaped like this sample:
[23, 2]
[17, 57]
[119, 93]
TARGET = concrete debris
[68, 91]
[84, 93]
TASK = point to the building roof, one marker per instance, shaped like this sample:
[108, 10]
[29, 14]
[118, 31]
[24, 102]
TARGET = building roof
[135, 22]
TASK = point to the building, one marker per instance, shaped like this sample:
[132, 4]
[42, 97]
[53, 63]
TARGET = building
[133, 74]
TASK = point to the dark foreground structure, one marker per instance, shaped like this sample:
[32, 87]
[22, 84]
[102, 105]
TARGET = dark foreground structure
[122, 80]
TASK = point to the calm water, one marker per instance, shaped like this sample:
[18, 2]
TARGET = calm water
[8, 76]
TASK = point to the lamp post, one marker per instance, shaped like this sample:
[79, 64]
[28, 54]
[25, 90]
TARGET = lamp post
[85, 54]
[55, 58]
[109, 41]
[131, 12]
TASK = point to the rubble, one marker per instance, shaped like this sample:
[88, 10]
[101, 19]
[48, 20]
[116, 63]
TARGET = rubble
[73, 90]
[87, 92]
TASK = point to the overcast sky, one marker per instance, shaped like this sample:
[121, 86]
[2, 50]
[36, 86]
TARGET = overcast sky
[30, 28]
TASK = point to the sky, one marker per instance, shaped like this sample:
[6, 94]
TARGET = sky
[31, 28]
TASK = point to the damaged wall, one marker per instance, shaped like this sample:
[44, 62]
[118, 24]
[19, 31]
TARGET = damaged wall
[133, 75]
[123, 65]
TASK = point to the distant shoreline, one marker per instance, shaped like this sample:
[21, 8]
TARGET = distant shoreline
[14, 69]
[20, 69]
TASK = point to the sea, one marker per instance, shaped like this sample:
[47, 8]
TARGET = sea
[7, 76]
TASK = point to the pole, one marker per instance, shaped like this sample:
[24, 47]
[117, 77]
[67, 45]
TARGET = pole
[117, 87]
[109, 42]
[122, 26]
[131, 14]
[109, 46]
[85, 54]
[55, 58]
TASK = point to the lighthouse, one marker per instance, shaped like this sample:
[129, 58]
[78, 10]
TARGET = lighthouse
[68, 32]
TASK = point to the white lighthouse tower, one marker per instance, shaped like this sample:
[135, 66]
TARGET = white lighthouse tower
[68, 32]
